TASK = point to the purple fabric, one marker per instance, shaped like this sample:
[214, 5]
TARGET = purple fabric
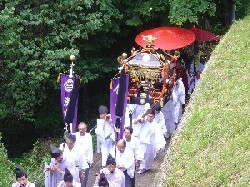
[66, 89]
[113, 97]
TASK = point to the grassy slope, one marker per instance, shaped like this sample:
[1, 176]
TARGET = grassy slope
[214, 147]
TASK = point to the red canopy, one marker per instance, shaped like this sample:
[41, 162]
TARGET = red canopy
[167, 38]
[203, 35]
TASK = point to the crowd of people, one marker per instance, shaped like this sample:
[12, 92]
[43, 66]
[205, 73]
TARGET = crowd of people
[145, 135]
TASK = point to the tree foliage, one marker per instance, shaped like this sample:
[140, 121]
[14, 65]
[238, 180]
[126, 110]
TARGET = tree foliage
[37, 36]
[190, 11]
[6, 166]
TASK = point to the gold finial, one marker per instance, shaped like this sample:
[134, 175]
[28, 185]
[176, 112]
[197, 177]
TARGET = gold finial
[132, 51]
[149, 38]
[124, 56]
[119, 59]
[72, 57]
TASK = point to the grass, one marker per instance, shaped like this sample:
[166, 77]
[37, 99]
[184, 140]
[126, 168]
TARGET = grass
[213, 148]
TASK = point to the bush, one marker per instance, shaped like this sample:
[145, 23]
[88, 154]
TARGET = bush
[6, 167]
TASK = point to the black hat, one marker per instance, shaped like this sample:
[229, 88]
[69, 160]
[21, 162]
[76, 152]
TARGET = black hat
[103, 180]
[110, 160]
[20, 172]
[157, 106]
[54, 151]
[150, 111]
[67, 176]
[103, 109]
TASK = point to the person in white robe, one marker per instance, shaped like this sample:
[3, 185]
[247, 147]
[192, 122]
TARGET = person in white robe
[168, 111]
[147, 142]
[105, 132]
[193, 82]
[76, 153]
[140, 118]
[68, 180]
[115, 176]
[134, 144]
[159, 142]
[125, 162]
[160, 119]
[21, 178]
[58, 164]
[85, 144]
[200, 67]
[178, 99]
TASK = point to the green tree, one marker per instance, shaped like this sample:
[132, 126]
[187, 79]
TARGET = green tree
[37, 37]
[6, 166]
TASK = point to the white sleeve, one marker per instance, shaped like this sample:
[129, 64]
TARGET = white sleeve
[130, 159]
[138, 150]
[90, 150]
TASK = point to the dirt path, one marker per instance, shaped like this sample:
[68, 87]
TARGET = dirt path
[142, 180]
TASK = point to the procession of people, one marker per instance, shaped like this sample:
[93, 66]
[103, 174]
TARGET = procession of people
[146, 131]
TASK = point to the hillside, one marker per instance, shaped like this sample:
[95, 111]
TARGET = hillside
[213, 146]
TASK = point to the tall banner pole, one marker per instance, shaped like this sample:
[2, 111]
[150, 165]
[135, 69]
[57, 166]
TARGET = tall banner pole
[69, 97]
[114, 90]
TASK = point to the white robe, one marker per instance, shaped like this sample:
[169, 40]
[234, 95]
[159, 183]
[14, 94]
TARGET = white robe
[194, 81]
[106, 134]
[68, 163]
[86, 145]
[141, 109]
[179, 100]
[29, 184]
[147, 142]
[134, 145]
[160, 141]
[160, 119]
[200, 67]
[75, 184]
[77, 155]
[126, 161]
[168, 111]
[116, 179]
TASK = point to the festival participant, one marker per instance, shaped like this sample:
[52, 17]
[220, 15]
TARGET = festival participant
[134, 144]
[58, 164]
[101, 181]
[115, 176]
[22, 178]
[125, 161]
[160, 119]
[178, 99]
[147, 141]
[193, 82]
[168, 111]
[75, 153]
[181, 72]
[105, 132]
[139, 119]
[68, 180]
[201, 66]
[85, 145]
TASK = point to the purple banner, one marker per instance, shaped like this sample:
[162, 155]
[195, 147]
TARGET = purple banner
[67, 84]
[113, 96]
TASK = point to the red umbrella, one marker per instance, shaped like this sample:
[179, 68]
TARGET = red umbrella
[203, 35]
[167, 38]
